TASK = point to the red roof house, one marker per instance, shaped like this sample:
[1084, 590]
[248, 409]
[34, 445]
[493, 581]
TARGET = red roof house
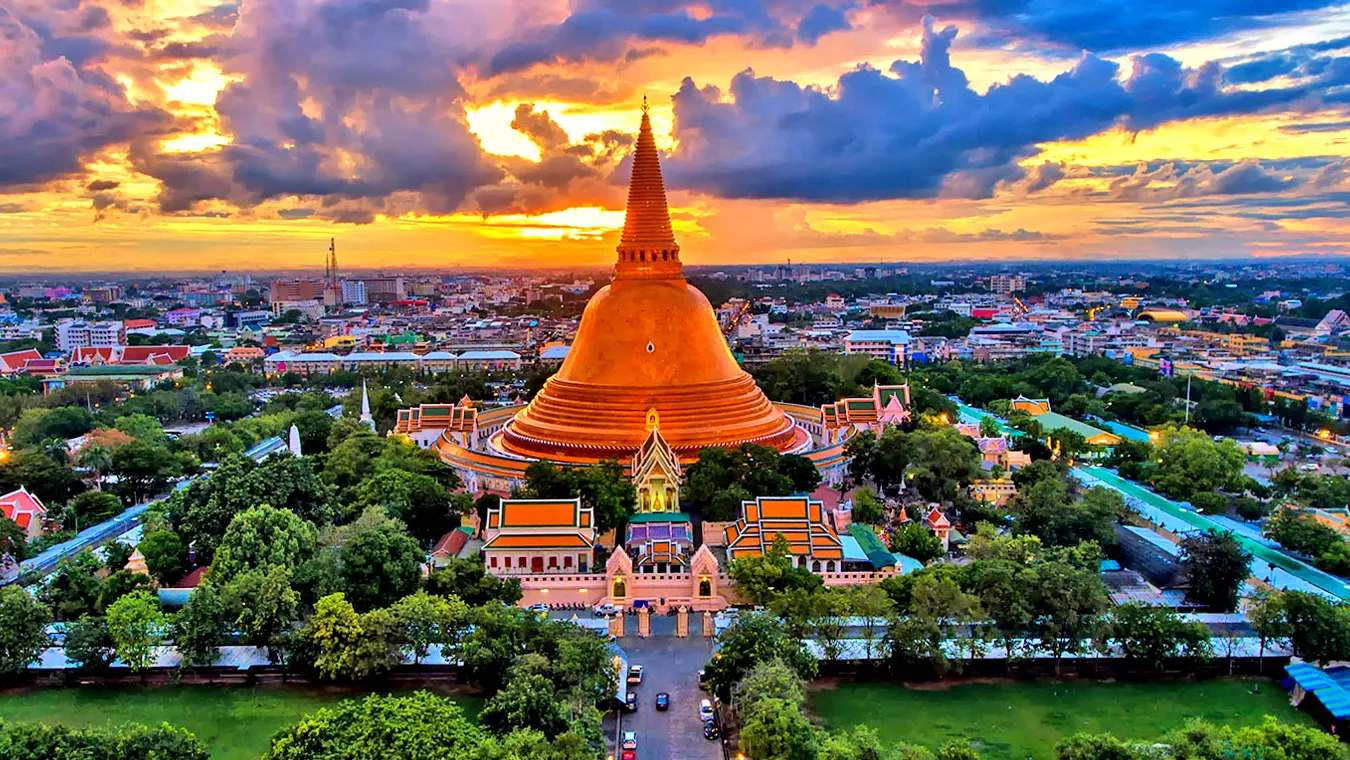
[25, 509]
[152, 354]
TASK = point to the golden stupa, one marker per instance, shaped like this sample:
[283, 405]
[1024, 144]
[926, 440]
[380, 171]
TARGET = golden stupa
[647, 341]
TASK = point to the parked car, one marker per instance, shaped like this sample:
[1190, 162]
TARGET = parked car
[630, 703]
[635, 674]
[605, 609]
[628, 754]
[705, 710]
[710, 730]
[662, 701]
[539, 609]
[703, 680]
[630, 740]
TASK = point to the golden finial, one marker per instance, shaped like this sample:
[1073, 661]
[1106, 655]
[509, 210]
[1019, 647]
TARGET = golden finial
[653, 419]
[644, 104]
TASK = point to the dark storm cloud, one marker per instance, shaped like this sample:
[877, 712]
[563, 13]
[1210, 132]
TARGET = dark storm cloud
[371, 125]
[1113, 26]
[820, 21]
[609, 30]
[55, 107]
[924, 132]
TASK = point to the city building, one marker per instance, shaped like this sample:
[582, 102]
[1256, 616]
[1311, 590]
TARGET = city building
[72, 334]
[886, 345]
[296, 290]
[1007, 283]
[354, 292]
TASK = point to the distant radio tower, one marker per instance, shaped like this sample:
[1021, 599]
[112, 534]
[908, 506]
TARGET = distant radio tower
[332, 287]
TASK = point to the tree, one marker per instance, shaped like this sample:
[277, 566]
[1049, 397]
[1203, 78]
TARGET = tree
[915, 540]
[762, 577]
[37, 426]
[380, 564]
[120, 584]
[261, 538]
[1067, 605]
[73, 590]
[753, 639]
[526, 702]
[1190, 462]
[468, 580]
[265, 605]
[419, 501]
[1318, 630]
[1216, 565]
[143, 468]
[866, 508]
[1300, 532]
[943, 462]
[989, 427]
[166, 556]
[51, 481]
[137, 626]
[89, 646]
[13, 541]
[335, 631]
[41, 741]
[199, 629]
[23, 629]
[1000, 586]
[91, 508]
[941, 600]
[1151, 635]
[426, 620]
[422, 726]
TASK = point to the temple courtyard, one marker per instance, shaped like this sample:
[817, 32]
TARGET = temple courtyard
[1020, 720]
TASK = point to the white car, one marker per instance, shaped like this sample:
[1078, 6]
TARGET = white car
[605, 609]
[635, 674]
[630, 740]
[540, 609]
[705, 710]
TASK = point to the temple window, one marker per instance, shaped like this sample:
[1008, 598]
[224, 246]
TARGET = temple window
[493, 561]
[523, 564]
[620, 589]
[553, 562]
[704, 587]
[829, 566]
[815, 566]
[567, 561]
[508, 562]
[642, 255]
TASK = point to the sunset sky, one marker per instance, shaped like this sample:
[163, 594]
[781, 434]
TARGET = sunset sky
[147, 135]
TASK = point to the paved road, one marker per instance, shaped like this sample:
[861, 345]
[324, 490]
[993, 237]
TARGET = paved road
[671, 665]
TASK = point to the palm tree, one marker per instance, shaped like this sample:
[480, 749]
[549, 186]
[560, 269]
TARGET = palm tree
[97, 459]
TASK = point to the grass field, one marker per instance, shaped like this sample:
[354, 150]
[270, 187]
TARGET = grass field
[235, 722]
[1015, 721]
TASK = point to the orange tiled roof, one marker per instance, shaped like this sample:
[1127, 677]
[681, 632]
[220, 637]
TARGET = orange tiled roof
[799, 519]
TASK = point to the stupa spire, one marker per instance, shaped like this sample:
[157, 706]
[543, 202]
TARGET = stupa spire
[647, 246]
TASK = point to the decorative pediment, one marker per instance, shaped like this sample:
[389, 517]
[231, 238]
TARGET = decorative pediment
[704, 562]
[619, 563]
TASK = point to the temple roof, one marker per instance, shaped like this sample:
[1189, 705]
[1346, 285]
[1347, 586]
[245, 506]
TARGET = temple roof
[799, 519]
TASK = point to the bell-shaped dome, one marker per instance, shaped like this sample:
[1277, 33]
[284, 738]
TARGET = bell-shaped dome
[648, 340]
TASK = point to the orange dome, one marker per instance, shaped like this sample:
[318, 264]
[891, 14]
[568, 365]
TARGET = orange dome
[648, 340]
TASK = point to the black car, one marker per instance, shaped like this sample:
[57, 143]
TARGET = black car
[663, 701]
[710, 730]
[631, 702]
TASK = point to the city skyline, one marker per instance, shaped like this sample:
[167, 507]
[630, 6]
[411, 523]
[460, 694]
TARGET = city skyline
[191, 135]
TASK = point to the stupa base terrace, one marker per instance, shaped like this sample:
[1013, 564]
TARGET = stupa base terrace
[485, 462]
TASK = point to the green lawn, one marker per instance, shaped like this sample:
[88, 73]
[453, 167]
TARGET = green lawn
[1015, 721]
[235, 722]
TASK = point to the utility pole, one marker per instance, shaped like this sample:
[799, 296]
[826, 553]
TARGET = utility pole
[1188, 398]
